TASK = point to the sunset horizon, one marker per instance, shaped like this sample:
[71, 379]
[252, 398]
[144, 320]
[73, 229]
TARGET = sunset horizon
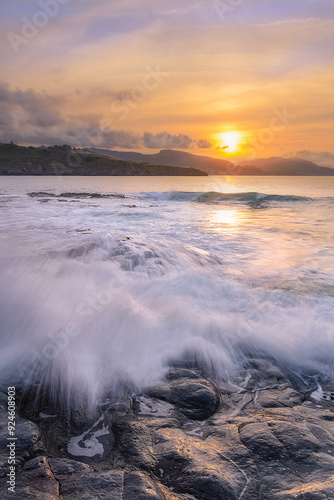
[186, 77]
[167, 250]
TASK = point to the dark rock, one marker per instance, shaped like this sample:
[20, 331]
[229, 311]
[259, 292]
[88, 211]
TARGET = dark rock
[258, 444]
[196, 398]
[296, 438]
[273, 398]
[80, 482]
[197, 467]
[260, 440]
[138, 486]
[35, 481]
[28, 437]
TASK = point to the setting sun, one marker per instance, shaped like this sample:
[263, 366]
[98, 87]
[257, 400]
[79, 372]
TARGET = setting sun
[230, 141]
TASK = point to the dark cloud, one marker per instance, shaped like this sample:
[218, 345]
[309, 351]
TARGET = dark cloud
[120, 139]
[203, 144]
[324, 158]
[30, 117]
[164, 140]
[326, 155]
[35, 108]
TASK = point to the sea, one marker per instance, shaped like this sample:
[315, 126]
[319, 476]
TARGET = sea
[106, 282]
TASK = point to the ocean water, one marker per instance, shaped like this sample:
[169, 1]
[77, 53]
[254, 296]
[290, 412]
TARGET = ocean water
[106, 282]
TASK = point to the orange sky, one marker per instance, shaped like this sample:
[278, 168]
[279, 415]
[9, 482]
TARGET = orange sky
[151, 75]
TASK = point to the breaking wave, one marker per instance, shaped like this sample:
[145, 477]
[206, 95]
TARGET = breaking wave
[215, 197]
[100, 295]
[120, 311]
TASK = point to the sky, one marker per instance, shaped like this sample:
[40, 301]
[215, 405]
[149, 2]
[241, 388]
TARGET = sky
[234, 79]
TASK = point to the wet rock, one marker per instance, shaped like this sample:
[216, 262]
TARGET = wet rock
[278, 398]
[35, 481]
[194, 396]
[200, 468]
[207, 484]
[260, 440]
[138, 486]
[27, 443]
[62, 467]
[80, 482]
[134, 444]
[179, 442]
[150, 406]
[93, 445]
[297, 439]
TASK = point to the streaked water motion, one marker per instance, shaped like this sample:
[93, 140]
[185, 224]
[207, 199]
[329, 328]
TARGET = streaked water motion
[106, 282]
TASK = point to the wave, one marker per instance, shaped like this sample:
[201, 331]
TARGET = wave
[216, 197]
[123, 310]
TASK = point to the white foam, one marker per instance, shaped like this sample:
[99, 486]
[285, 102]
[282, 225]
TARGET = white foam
[318, 394]
[87, 445]
[90, 311]
[149, 406]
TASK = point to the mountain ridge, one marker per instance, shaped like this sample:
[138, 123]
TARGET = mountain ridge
[216, 166]
[65, 160]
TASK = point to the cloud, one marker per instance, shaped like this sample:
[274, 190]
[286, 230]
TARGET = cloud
[165, 140]
[31, 117]
[203, 144]
[323, 158]
[30, 107]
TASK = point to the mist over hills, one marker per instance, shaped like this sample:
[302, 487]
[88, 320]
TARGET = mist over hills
[215, 166]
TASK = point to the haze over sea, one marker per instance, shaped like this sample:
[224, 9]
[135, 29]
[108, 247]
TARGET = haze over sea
[110, 280]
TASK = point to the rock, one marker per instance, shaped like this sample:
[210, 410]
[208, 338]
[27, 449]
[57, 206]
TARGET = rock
[194, 397]
[134, 443]
[35, 481]
[95, 444]
[180, 441]
[28, 441]
[296, 438]
[81, 482]
[196, 467]
[260, 440]
[138, 486]
[278, 398]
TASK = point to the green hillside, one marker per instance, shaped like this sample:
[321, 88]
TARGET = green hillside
[65, 160]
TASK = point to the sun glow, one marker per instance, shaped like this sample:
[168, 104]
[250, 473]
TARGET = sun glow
[230, 141]
[224, 217]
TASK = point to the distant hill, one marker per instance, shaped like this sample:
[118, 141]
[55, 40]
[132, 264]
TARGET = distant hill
[214, 166]
[209, 165]
[288, 166]
[65, 160]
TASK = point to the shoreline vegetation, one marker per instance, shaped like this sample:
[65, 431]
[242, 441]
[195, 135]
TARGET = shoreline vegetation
[69, 161]
[66, 160]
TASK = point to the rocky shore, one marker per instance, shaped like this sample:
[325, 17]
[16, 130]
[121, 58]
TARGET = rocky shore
[266, 436]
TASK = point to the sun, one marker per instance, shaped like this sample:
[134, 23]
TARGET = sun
[230, 141]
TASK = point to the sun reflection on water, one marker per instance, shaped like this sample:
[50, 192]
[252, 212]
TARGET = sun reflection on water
[225, 216]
